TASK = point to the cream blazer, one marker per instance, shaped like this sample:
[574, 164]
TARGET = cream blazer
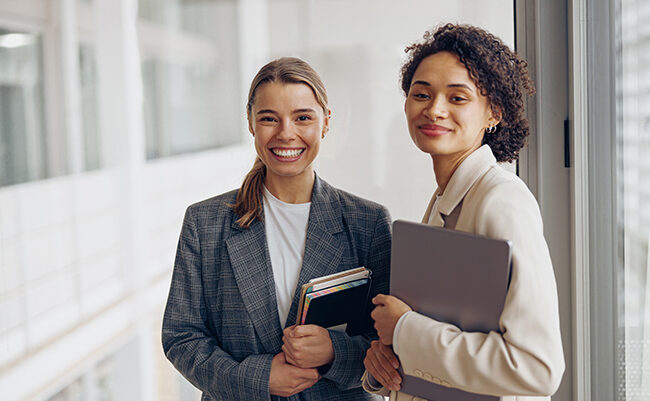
[526, 358]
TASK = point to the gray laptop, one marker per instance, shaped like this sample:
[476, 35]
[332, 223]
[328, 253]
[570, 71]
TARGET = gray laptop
[451, 276]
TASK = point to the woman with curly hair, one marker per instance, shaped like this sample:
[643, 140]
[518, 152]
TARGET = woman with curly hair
[465, 93]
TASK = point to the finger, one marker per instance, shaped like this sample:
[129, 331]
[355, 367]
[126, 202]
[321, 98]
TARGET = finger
[289, 355]
[309, 330]
[390, 356]
[379, 299]
[292, 342]
[389, 369]
[286, 351]
[377, 313]
[288, 331]
[388, 361]
[290, 348]
[311, 374]
[304, 385]
[377, 371]
[385, 340]
[380, 332]
[302, 330]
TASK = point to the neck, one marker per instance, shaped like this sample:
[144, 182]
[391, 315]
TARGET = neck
[296, 189]
[444, 166]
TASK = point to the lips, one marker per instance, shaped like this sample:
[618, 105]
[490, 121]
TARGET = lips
[433, 130]
[287, 154]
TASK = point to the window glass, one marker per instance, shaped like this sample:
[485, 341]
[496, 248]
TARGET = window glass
[190, 77]
[89, 107]
[105, 380]
[197, 17]
[72, 392]
[23, 145]
[184, 111]
[633, 176]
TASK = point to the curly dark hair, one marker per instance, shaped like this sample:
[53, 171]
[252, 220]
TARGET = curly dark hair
[498, 72]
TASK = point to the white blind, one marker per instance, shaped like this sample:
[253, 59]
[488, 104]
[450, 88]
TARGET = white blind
[633, 172]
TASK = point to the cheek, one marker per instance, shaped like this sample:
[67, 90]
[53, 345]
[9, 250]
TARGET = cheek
[409, 111]
[312, 134]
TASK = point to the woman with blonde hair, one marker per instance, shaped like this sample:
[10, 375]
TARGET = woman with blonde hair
[243, 255]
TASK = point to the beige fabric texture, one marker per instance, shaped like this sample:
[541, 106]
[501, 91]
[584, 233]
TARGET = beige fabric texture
[526, 358]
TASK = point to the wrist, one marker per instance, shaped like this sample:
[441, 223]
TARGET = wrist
[396, 331]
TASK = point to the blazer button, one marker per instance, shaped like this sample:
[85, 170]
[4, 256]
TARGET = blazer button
[418, 373]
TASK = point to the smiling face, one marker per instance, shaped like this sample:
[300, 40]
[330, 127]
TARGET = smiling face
[288, 124]
[445, 112]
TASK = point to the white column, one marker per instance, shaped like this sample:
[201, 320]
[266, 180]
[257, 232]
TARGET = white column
[253, 45]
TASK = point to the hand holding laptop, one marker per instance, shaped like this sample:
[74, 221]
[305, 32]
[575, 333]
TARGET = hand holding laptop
[386, 314]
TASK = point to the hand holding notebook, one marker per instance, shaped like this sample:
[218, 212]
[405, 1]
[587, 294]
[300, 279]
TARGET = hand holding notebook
[336, 300]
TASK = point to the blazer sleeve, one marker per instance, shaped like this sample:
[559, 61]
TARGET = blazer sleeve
[526, 358]
[189, 343]
[347, 368]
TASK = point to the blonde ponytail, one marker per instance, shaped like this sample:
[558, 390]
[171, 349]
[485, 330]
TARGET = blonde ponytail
[248, 205]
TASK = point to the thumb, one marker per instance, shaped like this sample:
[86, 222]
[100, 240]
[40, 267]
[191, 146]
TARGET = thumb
[380, 299]
[304, 330]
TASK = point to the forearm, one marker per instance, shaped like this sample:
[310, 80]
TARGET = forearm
[347, 367]
[214, 371]
[476, 362]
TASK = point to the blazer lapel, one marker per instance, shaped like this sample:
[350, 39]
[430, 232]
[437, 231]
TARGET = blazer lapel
[436, 219]
[323, 249]
[251, 264]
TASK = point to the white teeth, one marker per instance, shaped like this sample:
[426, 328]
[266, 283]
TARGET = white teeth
[287, 152]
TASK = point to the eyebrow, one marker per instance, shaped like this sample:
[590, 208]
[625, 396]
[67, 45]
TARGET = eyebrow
[297, 111]
[425, 83]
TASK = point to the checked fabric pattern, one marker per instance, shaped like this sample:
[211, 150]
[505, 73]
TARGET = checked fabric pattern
[221, 326]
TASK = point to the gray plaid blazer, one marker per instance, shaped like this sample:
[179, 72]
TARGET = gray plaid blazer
[221, 326]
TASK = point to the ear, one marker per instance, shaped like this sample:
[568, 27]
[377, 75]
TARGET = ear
[250, 125]
[326, 125]
[495, 117]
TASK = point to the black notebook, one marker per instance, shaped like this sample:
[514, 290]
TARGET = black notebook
[336, 302]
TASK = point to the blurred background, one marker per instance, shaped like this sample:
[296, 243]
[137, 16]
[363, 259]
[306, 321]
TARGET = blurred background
[115, 115]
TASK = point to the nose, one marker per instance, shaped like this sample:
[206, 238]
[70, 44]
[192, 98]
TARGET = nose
[436, 108]
[285, 131]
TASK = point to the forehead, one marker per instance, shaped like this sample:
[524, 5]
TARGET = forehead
[274, 95]
[443, 67]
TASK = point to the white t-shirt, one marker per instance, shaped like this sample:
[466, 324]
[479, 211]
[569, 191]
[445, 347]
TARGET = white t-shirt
[286, 232]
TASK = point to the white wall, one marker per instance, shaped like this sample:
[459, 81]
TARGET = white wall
[358, 48]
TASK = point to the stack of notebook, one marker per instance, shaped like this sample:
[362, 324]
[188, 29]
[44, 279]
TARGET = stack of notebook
[336, 300]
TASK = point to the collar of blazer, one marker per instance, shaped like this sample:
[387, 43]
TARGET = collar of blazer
[249, 257]
[468, 173]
